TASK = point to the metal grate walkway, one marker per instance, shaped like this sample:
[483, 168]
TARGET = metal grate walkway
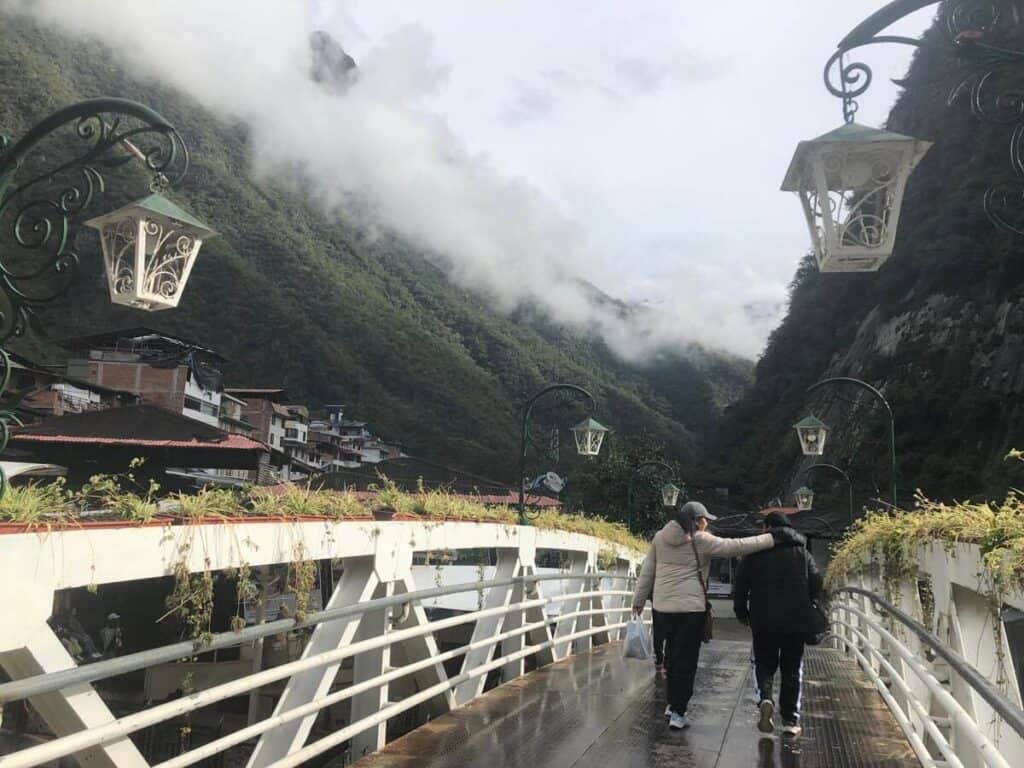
[598, 710]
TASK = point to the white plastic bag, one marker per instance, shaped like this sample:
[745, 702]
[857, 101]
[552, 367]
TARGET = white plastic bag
[638, 643]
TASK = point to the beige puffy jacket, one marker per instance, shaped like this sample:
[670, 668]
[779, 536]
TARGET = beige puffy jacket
[672, 568]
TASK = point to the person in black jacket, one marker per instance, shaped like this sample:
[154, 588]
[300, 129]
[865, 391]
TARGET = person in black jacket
[773, 592]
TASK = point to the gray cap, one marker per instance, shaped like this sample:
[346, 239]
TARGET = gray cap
[697, 509]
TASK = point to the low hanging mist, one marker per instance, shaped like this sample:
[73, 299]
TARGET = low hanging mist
[360, 138]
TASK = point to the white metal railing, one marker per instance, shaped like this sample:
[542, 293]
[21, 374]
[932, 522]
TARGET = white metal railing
[375, 612]
[945, 669]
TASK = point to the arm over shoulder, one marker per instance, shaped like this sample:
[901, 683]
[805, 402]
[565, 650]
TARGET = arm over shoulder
[716, 547]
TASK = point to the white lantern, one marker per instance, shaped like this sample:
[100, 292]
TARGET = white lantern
[851, 182]
[669, 494]
[149, 248]
[589, 435]
[812, 433]
[804, 499]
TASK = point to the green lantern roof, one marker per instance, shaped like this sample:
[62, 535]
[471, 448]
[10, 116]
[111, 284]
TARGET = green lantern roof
[157, 203]
[855, 133]
[803, 490]
[810, 422]
[590, 425]
[848, 133]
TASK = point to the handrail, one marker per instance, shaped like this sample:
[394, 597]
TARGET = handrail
[101, 670]
[973, 733]
[118, 729]
[927, 722]
[1003, 707]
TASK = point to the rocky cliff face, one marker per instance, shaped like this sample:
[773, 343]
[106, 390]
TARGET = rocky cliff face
[939, 329]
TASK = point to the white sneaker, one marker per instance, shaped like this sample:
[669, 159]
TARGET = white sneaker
[668, 711]
[766, 722]
[792, 729]
[678, 722]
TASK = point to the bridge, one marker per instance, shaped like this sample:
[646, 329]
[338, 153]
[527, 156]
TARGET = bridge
[512, 662]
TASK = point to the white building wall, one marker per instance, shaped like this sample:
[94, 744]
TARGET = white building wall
[209, 411]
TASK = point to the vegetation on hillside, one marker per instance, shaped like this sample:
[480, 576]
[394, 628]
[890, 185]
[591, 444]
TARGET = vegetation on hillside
[336, 311]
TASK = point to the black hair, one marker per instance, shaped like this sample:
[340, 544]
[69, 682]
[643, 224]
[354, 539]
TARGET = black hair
[685, 519]
[776, 520]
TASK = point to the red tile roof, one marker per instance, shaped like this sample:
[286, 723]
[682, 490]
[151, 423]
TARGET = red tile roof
[136, 425]
[232, 442]
[508, 499]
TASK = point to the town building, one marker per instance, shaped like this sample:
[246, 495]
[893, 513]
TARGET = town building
[43, 392]
[354, 437]
[167, 371]
[107, 441]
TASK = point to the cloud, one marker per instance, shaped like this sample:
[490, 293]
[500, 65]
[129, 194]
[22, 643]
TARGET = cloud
[380, 144]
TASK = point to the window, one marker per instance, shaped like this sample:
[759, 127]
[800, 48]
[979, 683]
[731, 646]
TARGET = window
[291, 432]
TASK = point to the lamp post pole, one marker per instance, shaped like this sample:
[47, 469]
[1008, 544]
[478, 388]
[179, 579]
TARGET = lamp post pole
[839, 380]
[834, 468]
[632, 479]
[525, 434]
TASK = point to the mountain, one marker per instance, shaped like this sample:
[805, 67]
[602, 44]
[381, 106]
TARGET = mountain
[337, 311]
[939, 329]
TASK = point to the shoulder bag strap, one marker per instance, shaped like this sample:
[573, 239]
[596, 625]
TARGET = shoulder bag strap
[700, 570]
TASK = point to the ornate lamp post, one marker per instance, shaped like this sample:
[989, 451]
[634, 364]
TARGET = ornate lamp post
[891, 421]
[851, 181]
[149, 247]
[589, 435]
[811, 432]
[804, 499]
[670, 494]
[669, 491]
[840, 472]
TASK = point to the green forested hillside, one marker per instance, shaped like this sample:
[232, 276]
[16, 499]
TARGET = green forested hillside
[939, 329]
[297, 298]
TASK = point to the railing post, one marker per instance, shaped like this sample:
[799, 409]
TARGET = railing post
[508, 566]
[583, 623]
[72, 709]
[577, 565]
[366, 666]
[357, 584]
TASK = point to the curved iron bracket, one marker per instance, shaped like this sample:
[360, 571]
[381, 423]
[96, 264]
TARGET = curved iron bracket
[590, 403]
[43, 264]
[43, 209]
[973, 32]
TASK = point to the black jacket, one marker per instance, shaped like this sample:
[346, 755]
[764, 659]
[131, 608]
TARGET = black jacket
[774, 588]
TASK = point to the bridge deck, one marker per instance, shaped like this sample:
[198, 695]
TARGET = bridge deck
[597, 709]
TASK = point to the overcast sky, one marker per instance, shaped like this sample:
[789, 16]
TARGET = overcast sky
[523, 144]
[663, 128]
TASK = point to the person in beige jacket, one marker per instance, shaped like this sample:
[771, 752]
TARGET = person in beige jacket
[672, 565]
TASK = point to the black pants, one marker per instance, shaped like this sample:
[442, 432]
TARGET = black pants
[683, 633]
[772, 650]
[659, 638]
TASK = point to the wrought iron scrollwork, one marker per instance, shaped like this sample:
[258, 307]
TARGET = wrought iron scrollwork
[980, 32]
[43, 198]
[41, 212]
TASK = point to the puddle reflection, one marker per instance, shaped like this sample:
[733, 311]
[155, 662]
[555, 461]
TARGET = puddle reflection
[788, 753]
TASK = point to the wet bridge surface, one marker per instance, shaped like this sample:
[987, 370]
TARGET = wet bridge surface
[597, 709]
